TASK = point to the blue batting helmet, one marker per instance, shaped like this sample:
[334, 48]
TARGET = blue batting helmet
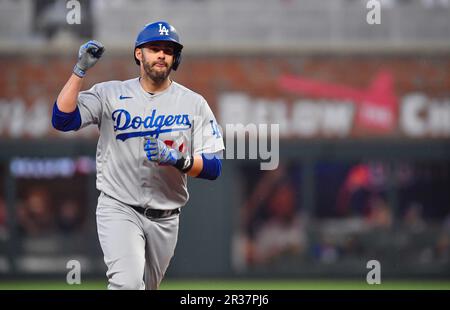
[160, 31]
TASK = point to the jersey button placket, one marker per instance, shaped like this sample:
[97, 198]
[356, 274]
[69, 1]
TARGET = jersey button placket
[146, 174]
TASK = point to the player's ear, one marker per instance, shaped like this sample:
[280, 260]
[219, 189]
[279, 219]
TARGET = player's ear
[138, 54]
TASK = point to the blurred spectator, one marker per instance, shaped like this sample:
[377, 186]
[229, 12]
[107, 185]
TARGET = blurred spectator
[352, 246]
[380, 214]
[326, 251]
[442, 248]
[361, 183]
[283, 232]
[413, 219]
[446, 223]
[35, 214]
[271, 220]
[3, 228]
[2, 212]
[70, 217]
[355, 187]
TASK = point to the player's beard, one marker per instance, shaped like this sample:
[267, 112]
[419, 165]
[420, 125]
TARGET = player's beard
[157, 76]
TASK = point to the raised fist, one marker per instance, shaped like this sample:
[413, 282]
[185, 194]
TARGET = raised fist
[88, 55]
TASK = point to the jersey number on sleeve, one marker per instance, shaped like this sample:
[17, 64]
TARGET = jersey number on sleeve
[215, 129]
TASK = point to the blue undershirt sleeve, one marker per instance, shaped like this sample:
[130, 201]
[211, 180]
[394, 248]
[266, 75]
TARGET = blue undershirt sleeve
[66, 121]
[212, 167]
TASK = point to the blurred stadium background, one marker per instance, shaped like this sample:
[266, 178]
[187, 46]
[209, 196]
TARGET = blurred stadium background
[364, 115]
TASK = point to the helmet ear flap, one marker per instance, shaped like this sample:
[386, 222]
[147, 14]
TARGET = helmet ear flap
[177, 60]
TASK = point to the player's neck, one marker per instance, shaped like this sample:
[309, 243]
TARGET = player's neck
[151, 87]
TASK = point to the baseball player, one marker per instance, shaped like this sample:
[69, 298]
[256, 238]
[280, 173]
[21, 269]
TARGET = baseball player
[153, 133]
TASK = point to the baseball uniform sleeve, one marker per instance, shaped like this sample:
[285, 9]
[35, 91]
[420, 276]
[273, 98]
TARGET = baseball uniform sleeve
[207, 134]
[90, 106]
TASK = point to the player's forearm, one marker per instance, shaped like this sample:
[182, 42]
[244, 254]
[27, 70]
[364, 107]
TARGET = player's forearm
[67, 98]
[205, 166]
[197, 166]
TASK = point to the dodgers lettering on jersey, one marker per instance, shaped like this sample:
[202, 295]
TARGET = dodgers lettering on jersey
[125, 113]
[156, 123]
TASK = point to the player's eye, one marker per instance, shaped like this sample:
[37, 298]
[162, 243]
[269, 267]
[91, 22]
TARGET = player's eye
[166, 50]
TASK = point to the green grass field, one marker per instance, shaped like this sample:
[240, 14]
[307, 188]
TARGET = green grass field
[171, 284]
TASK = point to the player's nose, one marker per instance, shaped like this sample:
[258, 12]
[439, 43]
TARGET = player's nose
[161, 54]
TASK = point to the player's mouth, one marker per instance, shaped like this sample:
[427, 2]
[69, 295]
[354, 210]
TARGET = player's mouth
[160, 65]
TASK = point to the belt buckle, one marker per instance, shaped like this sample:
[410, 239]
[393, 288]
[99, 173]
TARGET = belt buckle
[147, 215]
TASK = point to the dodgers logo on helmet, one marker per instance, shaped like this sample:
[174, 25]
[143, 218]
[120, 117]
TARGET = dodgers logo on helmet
[163, 29]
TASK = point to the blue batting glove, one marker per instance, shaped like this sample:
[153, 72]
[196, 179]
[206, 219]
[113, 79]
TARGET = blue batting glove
[157, 151]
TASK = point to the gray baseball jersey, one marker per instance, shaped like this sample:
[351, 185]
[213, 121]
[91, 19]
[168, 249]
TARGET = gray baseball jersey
[125, 113]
